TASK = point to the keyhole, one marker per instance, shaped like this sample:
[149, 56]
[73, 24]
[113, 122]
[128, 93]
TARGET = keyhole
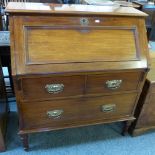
[84, 21]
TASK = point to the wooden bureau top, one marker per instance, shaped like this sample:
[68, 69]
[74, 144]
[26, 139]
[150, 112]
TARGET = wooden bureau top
[16, 7]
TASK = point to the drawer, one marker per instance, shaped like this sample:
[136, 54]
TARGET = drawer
[50, 87]
[74, 112]
[114, 82]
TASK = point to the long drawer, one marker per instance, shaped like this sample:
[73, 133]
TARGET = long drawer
[50, 87]
[72, 112]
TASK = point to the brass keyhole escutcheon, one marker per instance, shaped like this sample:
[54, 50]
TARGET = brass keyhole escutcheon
[84, 21]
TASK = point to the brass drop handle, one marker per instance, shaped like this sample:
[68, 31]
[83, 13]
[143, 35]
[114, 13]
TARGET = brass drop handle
[113, 84]
[54, 88]
[108, 108]
[55, 113]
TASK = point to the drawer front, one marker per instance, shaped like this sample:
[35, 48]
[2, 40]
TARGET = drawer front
[114, 82]
[50, 87]
[74, 112]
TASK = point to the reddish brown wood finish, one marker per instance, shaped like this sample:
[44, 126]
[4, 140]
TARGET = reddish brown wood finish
[75, 85]
[78, 58]
[76, 111]
[34, 87]
[97, 83]
[83, 50]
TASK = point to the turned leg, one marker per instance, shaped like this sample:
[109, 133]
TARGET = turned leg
[24, 139]
[126, 125]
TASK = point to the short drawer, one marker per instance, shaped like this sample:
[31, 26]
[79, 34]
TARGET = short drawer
[50, 87]
[114, 82]
[75, 112]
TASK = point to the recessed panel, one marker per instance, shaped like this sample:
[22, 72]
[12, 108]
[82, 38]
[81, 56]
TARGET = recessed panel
[71, 45]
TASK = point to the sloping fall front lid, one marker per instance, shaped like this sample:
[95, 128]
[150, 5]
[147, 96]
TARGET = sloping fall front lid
[86, 39]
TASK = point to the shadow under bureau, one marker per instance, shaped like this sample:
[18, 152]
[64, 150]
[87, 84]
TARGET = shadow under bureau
[76, 65]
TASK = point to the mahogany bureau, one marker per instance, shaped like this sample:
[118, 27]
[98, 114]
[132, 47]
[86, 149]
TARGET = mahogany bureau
[146, 105]
[76, 65]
